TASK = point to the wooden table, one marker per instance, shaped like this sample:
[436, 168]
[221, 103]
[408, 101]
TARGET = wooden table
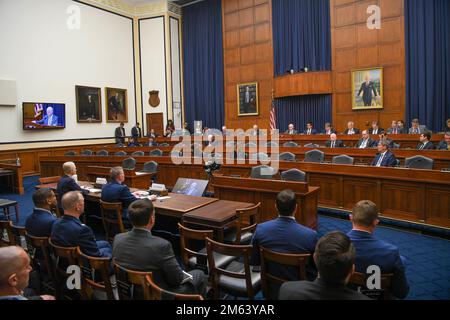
[17, 176]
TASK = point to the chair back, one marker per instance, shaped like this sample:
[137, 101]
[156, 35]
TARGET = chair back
[343, 159]
[131, 284]
[260, 156]
[314, 156]
[247, 220]
[250, 145]
[62, 257]
[286, 156]
[48, 180]
[6, 236]
[164, 144]
[91, 268]
[156, 153]
[86, 153]
[359, 280]
[39, 252]
[157, 293]
[262, 172]
[290, 144]
[150, 167]
[239, 251]
[129, 164]
[70, 153]
[419, 162]
[294, 175]
[271, 144]
[311, 145]
[102, 153]
[268, 258]
[120, 153]
[112, 219]
[187, 252]
[138, 154]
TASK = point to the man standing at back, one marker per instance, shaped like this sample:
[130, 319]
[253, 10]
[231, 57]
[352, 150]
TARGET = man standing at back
[136, 131]
[373, 252]
[119, 133]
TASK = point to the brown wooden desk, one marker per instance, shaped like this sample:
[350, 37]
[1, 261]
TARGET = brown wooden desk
[17, 176]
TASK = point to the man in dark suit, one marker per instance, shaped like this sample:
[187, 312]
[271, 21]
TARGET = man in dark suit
[134, 142]
[120, 134]
[291, 130]
[136, 131]
[375, 128]
[447, 126]
[285, 235]
[393, 129]
[373, 252]
[310, 129]
[67, 182]
[367, 88]
[139, 250]
[49, 119]
[351, 128]
[334, 257]
[116, 191]
[384, 136]
[366, 141]
[329, 129]
[151, 142]
[68, 231]
[152, 134]
[416, 128]
[445, 144]
[401, 127]
[425, 143]
[40, 222]
[333, 142]
[384, 157]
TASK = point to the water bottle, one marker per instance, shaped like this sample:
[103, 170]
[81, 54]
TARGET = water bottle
[18, 161]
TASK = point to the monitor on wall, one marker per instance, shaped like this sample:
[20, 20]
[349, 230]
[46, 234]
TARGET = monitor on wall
[44, 116]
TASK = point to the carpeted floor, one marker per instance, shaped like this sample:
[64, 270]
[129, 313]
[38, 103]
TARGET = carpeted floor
[428, 258]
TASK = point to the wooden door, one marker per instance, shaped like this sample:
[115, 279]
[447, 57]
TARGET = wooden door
[155, 121]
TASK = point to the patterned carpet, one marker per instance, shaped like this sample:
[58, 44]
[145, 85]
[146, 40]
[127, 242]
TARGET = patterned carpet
[427, 258]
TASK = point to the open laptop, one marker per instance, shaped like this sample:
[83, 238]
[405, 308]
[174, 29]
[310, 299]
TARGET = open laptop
[190, 187]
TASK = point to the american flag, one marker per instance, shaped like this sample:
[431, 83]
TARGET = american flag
[273, 121]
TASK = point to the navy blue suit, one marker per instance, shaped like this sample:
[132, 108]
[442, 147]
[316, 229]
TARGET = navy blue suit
[69, 231]
[442, 145]
[40, 222]
[116, 192]
[313, 131]
[371, 251]
[285, 235]
[389, 160]
[67, 184]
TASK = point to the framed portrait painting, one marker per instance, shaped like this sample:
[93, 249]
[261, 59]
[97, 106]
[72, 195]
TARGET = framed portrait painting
[247, 94]
[89, 104]
[116, 105]
[367, 89]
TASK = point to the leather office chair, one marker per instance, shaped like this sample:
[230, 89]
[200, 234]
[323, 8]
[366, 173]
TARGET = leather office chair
[112, 219]
[343, 159]
[290, 144]
[156, 153]
[419, 162]
[86, 153]
[260, 156]
[311, 145]
[70, 153]
[157, 293]
[131, 284]
[286, 156]
[164, 144]
[244, 225]
[138, 154]
[129, 164]
[314, 156]
[150, 167]
[102, 153]
[120, 153]
[294, 175]
[238, 278]
[271, 144]
[262, 172]
[250, 145]
[270, 281]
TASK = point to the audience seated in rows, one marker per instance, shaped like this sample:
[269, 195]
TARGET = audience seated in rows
[40, 222]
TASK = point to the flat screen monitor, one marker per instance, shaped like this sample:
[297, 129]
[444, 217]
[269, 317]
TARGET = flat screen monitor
[44, 116]
[190, 187]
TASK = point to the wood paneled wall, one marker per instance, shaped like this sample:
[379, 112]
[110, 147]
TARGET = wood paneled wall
[354, 46]
[248, 57]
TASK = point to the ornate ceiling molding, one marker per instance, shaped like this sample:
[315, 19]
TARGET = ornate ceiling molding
[154, 8]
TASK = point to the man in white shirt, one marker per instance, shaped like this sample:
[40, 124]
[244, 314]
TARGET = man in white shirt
[291, 130]
[384, 158]
[351, 128]
[365, 141]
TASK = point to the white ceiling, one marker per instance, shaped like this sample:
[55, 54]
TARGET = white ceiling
[139, 2]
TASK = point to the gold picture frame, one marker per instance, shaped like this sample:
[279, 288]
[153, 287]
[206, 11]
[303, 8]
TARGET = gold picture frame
[367, 89]
[247, 96]
[116, 105]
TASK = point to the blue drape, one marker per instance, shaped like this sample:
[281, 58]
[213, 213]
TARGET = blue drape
[301, 35]
[203, 63]
[427, 29]
[300, 110]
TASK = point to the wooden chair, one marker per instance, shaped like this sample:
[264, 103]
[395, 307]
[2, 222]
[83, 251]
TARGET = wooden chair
[92, 267]
[18, 236]
[269, 257]
[48, 180]
[244, 225]
[112, 219]
[6, 236]
[359, 281]
[158, 293]
[236, 279]
[130, 282]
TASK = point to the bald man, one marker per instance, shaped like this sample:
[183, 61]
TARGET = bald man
[15, 274]
[49, 119]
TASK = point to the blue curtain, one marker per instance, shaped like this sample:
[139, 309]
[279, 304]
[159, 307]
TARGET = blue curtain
[203, 63]
[300, 110]
[301, 35]
[427, 29]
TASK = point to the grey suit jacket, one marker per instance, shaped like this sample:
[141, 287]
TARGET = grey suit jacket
[139, 250]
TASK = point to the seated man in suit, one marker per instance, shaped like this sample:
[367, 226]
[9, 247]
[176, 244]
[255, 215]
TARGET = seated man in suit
[384, 136]
[334, 257]
[168, 133]
[40, 222]
[49, 119]
[68, 182]
[285, 235]
[291, 130]
[384, 157]
[371, 251]
[139, 250]
[69, 231]
[333, 142]
[151, 142]
[401, 127]
[365, 142]
[309, 129]
[116, 191]
[445, 144]
[328, 129]
[447, 126]
[134, 142]
[425, 143]
[254, 131]
[416, 128]
[393, 129]
[351, 128]
[375, 128]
